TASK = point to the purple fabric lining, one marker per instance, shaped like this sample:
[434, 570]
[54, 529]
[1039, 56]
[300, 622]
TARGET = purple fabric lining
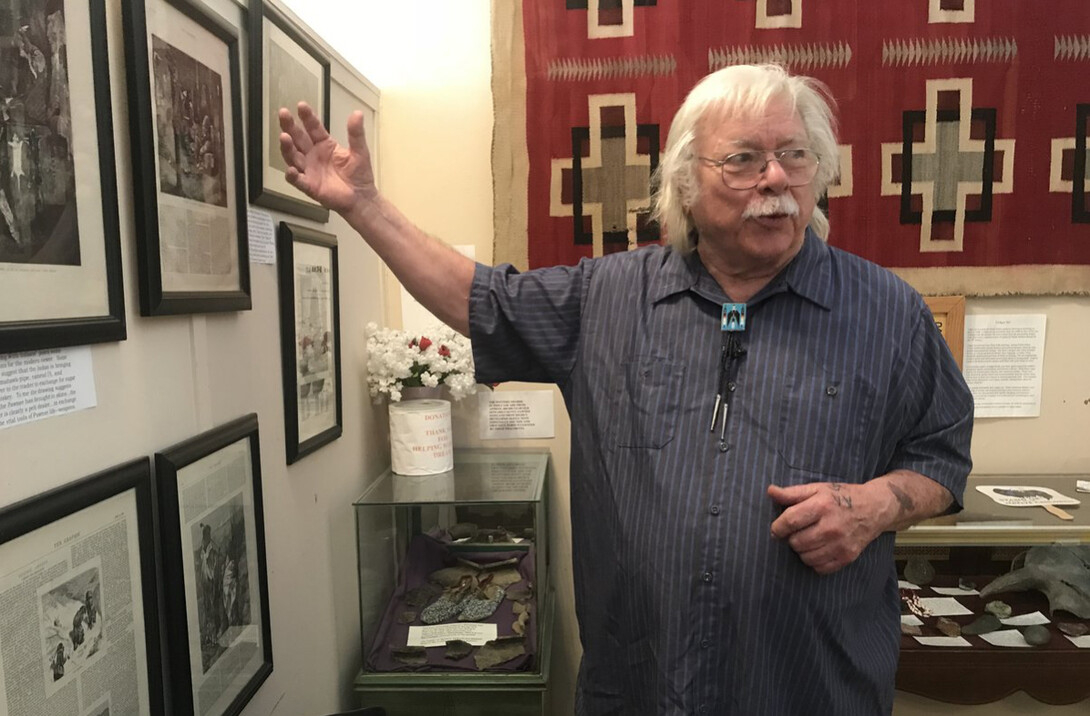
[424, 556]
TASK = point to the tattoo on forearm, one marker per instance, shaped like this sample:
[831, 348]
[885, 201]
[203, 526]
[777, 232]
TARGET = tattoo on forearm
[844, 500]
[903, 499]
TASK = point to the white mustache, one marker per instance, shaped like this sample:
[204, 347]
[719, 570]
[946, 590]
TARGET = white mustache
[771, 205]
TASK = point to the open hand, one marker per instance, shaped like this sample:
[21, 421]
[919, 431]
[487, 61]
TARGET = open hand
[828, 524]
[338, 178]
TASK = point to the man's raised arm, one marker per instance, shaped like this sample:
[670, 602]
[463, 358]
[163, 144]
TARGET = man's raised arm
[342, 180]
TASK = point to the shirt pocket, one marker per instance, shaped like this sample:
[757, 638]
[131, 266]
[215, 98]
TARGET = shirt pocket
[825, 421]
[649, 400]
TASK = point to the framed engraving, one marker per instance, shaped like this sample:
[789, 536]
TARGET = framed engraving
[310, 338]
[284, 69]
[60, 252]
[185, 118]
[213, 536]
[79, 629]
[949, 313]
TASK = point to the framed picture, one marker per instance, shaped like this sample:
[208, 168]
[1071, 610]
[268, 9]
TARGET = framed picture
[185, 118]
[949, 313]
[79, 626]
[284, 69]
[60, 250]
[217, 613]
[310, 338]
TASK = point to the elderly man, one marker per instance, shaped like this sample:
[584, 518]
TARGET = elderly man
[735, 486]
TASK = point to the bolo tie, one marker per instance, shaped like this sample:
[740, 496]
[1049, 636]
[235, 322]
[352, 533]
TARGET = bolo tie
[732, 325]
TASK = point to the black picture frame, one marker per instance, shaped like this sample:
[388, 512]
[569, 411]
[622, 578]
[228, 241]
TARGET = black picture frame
[60, 246]
[284, 68]
[310, 338]
[85, 538]
[185, 121]
[217, 611]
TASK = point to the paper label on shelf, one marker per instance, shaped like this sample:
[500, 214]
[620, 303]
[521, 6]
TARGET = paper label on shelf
[943, 606]
[1083, 642]
[943, 640]
[902, 584]
[440, 634]
[911, 620]
[1006, 637]
[1026, 619]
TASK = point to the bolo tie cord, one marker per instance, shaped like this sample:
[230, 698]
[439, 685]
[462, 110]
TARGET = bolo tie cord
[730, 351]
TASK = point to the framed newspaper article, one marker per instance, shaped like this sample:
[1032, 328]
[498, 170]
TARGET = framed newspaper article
[213, 535]
[60, 251]
[185, 120]
[284, 69]
[310, 338]
[79, 631]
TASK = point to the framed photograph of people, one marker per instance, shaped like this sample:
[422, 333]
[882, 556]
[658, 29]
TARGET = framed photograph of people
[310, 338]
[213, 536]
[79, 627]
[60, 251]
[284, 69]
[185, 119]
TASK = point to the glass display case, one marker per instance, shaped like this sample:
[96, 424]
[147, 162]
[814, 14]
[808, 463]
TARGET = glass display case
[455, 601]
[970, 550]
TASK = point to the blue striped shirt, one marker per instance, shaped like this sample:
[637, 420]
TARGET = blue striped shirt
[686, 604]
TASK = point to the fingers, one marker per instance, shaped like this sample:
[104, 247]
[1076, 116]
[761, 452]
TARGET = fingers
[794, 494]
[299, 138]
[313, 126]
[795, 518]
[357, 142]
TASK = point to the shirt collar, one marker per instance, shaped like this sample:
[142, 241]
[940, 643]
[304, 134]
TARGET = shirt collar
[809, 275]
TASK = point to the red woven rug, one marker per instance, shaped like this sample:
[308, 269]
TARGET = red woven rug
[963, 126]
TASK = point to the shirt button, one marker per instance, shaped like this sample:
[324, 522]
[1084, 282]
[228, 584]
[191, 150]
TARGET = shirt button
[714, 510]
[703, 709]
[831, 391]
[731, 386]
[704, 643]
[707, 576]
[723, 447]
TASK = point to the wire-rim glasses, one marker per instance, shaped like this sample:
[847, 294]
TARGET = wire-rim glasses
[743, 170]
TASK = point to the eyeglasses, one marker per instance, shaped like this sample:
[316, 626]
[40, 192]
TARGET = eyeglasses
[743, 170]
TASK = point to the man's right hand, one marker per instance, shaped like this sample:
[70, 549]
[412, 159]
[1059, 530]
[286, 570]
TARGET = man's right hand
[338, 178]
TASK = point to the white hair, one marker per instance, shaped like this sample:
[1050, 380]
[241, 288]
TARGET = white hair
[740, 90]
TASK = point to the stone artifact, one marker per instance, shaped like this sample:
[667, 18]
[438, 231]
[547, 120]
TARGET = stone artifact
[421, 595]
[1061, 572]
[499, 650]
[519, 627]
[457, 649]
[494, 536]
[520, 608]
[919, 571]
[521, 593]
[948, 626]
[1037, 635]
[406, 617]
[911, 629]
[982, 625]
[462, 530]
[410, 655]
[449, 577]
[1072, 628]
[1021, 492]
[1000, 609]
[966, 584]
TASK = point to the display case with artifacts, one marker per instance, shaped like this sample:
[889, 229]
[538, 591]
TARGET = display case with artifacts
[455, 600]
[996, 598]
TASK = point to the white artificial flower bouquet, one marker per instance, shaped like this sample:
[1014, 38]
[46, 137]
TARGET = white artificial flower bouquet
[398, 360]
